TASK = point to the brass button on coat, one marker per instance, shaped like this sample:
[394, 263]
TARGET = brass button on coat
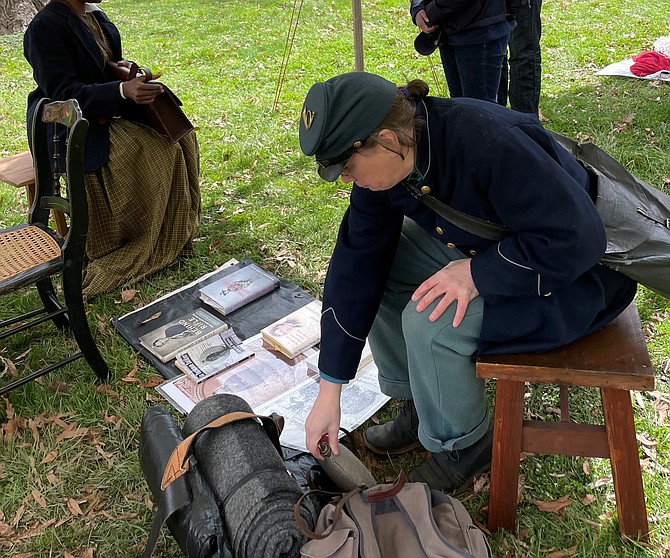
[439, 231]
[546, 294]
[451, 245]
[473, 252]
[425, 189]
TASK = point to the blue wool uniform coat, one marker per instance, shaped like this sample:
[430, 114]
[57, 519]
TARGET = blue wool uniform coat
[542, 285]
[67, 63]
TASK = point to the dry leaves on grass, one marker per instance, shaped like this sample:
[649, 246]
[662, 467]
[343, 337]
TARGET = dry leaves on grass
[554, 506]
[126, 296]
[563, 553]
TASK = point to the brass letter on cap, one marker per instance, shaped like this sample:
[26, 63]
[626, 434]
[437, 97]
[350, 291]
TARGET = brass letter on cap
[307, 118]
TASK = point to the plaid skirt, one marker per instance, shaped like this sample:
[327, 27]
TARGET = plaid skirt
[144, 206]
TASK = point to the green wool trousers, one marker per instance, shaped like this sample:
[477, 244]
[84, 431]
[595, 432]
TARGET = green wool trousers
[429, 362]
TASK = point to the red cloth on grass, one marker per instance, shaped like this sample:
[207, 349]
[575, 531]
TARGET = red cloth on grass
[649, 62]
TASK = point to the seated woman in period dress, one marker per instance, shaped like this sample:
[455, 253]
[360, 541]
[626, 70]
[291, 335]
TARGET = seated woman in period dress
[143, 191]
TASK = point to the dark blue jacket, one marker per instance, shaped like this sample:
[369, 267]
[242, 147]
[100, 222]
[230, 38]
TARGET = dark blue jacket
[542, 286]
[456, 16]
[67, 63]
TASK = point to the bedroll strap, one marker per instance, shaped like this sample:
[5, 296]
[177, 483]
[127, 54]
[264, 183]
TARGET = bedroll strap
[178, 463]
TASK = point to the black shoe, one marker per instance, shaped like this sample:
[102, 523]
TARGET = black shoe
[397, 436]
[454, 471]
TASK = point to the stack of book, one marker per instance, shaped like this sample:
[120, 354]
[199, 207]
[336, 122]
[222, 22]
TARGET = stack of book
[296, 332]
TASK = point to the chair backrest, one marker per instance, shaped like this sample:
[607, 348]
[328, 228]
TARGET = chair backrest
[59, 170]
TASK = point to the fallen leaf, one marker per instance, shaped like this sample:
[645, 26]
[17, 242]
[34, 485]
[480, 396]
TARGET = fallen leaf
[104, 388]
[554, 506]
[52, 478]
[156, 315]
[602, 481]
[586, 467]
[588, 499]
[645, 441]
[563, 553]
[130, 377]
[49, 457]
[72, 431]
[606, 516]
[10, 367]
[73, 506]
[19, 514]
[37, 496]
[152, 382]
[128, 294]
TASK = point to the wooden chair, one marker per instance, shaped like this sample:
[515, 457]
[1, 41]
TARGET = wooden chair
[32, 253]
[615, 360]
[18, 171]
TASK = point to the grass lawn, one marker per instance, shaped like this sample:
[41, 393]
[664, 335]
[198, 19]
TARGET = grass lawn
[70, 482]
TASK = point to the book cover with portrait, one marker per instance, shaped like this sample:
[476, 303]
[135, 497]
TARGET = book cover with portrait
[296, 332]
[178, 335]
[213, 355]
[238, 288]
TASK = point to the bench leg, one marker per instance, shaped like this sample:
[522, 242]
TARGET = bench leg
[507, 433]
[625, 462]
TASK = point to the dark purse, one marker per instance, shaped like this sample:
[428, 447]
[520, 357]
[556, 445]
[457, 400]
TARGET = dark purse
[164, 115]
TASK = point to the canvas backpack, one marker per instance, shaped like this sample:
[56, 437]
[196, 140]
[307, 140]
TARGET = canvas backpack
[395, 520]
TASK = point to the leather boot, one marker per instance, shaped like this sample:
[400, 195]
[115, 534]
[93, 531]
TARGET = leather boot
[397, 436]
[454, 471]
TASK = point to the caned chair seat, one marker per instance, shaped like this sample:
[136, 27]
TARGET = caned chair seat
[33, 253]
[27, 254]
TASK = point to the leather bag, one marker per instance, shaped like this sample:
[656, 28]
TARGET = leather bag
[164, 115]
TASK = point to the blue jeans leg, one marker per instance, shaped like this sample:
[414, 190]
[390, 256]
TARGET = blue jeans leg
[525, 62]
[474, 70]
[429, 362]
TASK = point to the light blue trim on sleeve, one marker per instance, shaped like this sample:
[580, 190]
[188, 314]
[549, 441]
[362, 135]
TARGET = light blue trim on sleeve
[331, 379]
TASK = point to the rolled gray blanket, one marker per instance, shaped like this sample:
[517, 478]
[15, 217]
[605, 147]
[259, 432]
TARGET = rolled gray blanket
[197, 526]
[255, 492]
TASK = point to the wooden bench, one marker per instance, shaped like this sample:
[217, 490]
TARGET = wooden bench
[18, 171]
[615, 360]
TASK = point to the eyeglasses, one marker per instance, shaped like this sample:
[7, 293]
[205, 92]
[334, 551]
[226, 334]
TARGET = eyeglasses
[341, 158]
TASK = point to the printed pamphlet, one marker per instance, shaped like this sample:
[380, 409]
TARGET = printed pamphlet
[213, 355]
[256, 380]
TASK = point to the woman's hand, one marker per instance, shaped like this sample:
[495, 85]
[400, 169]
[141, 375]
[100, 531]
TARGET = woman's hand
[323, 421]
[422, 22]
[453, 283]
[140, 92]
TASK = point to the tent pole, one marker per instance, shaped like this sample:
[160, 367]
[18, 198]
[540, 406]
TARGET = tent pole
[358, 34]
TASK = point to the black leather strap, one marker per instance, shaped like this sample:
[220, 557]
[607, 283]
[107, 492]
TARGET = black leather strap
[469, 223]
[174, 497]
